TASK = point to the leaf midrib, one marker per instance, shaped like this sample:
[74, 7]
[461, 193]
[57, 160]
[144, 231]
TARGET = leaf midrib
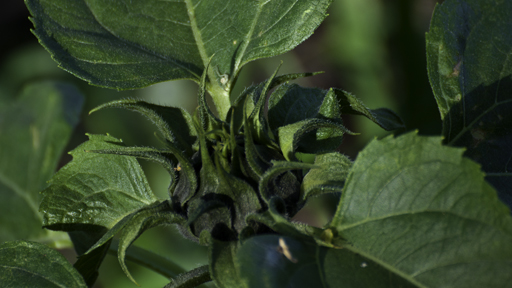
[247, 40]
[196, 32]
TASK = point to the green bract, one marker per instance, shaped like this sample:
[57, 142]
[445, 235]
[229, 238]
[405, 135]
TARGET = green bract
[412, 212]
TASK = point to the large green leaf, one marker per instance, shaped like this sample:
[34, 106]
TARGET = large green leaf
[95, 189]
[424, 212]
[34, 131]
[469, 52]
[133, 44]
[31, 264]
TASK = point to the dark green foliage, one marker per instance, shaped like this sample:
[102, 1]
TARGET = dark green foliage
[426, 213]
[413, 213]
[32, 264]
[468, 52]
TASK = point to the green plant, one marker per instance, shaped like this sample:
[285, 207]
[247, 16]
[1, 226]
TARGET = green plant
[413, 212]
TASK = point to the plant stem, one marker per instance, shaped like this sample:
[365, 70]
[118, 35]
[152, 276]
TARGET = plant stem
[192, 278]
[150, 260]
[220, 99]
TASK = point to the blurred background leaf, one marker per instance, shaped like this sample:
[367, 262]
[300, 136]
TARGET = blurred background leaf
[374, 49]
[34, 130]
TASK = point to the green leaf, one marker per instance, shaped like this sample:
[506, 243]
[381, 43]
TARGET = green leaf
[385, 118]
[131, 227]
[327, 138]
[328, 175]
[280, 182]
[308, 119]
[192, 278]
[291, 103]
[150, 260]
[223, 266]
[88, 265]
[257, 157]
[222, 199]
[130, 45]
[260, 127]
[281, 261]
[424, 212]
[175, 124]
[144, 219]
[254, 91]
[34, 131]
[273, 218]
[160, 156]
[468, 55]
[95, 189]
[31, 264]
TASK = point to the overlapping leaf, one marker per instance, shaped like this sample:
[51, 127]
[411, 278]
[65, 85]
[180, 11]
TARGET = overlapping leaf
[469, 66]
[280, 261]
[385, 118]
[88, 265]
[34, 131]
[222, 195]
[31, 264]
[328, 176]
[142, 220]
[424, 212]
[309, 119]
[174, 124]
[308, 114]
[192, 278]
[134, 44]
[95, 189]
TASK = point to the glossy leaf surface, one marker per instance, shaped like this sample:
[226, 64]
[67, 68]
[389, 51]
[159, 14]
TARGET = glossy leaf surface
[134, 44]
[95, 189]
[468, 53]
[32, 264]
[426, 213]
[34, 131]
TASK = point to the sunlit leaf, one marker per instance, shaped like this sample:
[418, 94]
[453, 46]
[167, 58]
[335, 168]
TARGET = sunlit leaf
[426, 213]
[134, 44]
[95, 189]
